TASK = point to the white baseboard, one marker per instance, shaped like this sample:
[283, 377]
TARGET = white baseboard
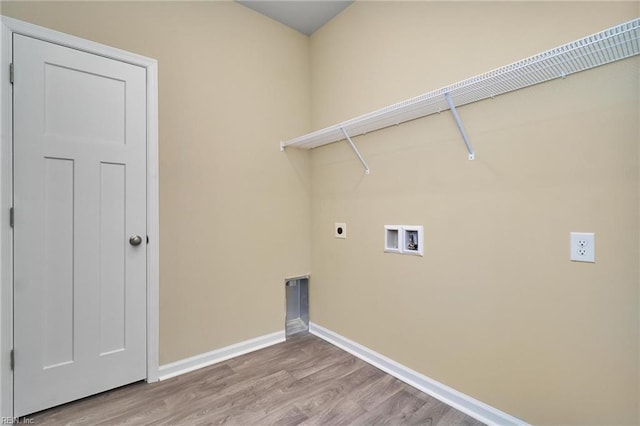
[457, 400]
[186, 365]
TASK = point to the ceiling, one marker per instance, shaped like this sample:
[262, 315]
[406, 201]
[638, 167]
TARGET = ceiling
[305, 16]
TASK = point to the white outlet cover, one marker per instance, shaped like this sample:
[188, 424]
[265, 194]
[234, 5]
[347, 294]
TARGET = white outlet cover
[340, 230]
[583, 247]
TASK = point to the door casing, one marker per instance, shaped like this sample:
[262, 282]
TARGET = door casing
[8, 27]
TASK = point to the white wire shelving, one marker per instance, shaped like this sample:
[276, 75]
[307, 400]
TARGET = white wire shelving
[613, 44]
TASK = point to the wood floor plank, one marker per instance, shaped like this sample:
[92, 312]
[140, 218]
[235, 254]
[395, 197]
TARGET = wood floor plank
[229, 401]
[285, 416]
[319, 386]
[344, 412]
[304, 381]
[372, 396]
[440, 416]
[394, 410]
[328, 403]
[432, 413]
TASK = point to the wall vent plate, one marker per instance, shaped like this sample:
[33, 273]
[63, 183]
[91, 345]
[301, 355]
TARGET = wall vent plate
[340, 230]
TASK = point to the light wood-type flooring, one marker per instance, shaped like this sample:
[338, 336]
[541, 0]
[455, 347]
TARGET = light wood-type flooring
[303, 381]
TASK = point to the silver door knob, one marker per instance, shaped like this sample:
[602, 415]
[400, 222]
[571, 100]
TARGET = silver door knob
[135, 240]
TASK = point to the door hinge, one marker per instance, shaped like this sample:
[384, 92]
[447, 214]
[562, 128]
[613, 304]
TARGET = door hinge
[12, 359]
[11, 217]
[11, 72]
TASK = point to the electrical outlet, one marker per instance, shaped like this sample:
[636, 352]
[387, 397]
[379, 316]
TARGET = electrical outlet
[583, 247]
[340, 230]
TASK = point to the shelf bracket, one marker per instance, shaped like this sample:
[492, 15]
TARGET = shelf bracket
[452, 107]
[355, 149]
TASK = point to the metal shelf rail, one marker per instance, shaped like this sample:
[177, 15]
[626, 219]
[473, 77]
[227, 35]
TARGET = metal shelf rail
[613, 44]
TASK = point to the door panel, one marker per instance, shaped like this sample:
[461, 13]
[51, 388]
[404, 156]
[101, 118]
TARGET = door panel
[58, 262]
[81, 117]
[112, 258]
[79, 193]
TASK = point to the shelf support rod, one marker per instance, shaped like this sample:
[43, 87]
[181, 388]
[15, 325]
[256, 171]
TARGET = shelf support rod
[452, 107]
[355, 149]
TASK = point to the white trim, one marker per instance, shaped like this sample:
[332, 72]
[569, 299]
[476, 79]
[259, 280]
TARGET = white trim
[7, 28]
[186, 365]
[452, 397]
[153, 227]
[6, 232]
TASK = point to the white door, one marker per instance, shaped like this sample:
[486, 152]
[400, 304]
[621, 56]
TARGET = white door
[79, 196]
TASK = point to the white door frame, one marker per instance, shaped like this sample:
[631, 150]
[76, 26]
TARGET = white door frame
[9, 26]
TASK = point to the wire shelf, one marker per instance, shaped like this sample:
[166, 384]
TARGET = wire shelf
[610, 45]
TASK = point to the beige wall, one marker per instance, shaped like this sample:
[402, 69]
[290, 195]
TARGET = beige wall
[234, 211]
[495, 308]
